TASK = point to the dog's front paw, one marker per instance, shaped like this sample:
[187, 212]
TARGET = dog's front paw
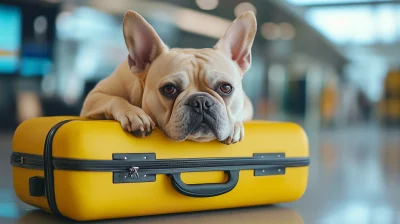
[136, 121]
[236, 135]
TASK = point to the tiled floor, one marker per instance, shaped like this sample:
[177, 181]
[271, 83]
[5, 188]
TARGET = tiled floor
[354, 178]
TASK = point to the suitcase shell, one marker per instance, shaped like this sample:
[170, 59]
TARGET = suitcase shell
[92, 169]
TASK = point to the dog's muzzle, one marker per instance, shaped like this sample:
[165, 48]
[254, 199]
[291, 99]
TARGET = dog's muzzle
[201, 103]
[203, 112]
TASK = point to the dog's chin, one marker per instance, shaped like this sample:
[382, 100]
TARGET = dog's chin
[200, 133]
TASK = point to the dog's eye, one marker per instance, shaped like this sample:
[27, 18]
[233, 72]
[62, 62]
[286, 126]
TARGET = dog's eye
[225, 88]
[169, 89]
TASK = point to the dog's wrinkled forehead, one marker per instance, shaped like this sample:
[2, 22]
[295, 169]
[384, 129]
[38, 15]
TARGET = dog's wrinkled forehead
[197, 66]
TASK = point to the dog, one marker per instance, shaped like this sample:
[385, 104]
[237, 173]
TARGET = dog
[190, 94]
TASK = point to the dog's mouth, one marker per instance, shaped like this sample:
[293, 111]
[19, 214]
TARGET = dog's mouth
[202, 126]
[202, 133]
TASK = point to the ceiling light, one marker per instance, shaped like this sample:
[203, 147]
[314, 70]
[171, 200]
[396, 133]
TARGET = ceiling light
[40, 24]
[207, 4]
[243, 7]
[287, 31]
[270, 31]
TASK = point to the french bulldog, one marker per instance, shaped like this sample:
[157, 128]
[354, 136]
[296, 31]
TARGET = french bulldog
[190, 94]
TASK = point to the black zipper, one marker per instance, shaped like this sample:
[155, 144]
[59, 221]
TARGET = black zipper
[28, 161]
[160, 166]
[166, 164]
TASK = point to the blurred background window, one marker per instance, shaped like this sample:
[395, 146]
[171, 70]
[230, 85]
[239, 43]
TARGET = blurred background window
[10, 20]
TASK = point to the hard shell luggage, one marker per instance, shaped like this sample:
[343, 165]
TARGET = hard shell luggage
[92, 169]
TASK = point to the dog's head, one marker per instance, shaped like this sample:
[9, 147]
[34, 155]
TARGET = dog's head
[191, 94]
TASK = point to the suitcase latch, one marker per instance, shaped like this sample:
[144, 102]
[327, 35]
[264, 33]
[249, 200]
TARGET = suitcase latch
[269, 171]
[132, 175]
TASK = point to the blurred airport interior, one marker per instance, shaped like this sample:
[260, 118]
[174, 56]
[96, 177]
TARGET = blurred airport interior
[325, 63]
[333, 66]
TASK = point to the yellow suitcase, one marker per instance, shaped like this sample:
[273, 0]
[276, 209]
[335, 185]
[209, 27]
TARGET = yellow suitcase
[92, 169]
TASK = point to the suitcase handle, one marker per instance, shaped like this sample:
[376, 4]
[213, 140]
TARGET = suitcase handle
[205, 190]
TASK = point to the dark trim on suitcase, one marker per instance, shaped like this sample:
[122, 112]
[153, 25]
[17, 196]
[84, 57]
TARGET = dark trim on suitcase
[28, 161]
[261, 166]
[49, 169]
[274, 166]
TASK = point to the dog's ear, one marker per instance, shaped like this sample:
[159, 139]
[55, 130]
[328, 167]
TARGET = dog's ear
[238, 40]
[143, 43]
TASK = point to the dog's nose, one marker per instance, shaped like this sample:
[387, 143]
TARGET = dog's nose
[200, 102]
